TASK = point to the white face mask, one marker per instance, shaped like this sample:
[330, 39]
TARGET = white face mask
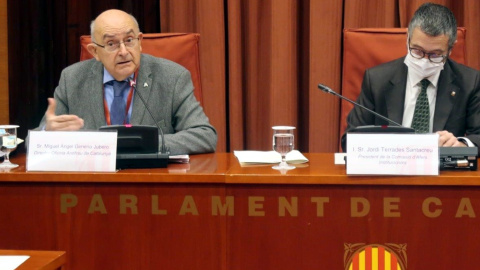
[422, 67]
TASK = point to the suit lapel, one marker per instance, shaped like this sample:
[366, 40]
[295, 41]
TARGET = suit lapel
[445, 99]
[395, 94]
[94, 95]
[144, 87]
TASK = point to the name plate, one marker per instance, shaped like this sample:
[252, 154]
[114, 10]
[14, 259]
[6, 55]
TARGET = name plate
[72, 151]
[392, 154]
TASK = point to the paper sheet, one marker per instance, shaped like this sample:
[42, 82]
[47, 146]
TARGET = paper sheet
[268, 157]
[12, 262]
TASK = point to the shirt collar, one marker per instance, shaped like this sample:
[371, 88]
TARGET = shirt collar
[107, 77]
[415, 79]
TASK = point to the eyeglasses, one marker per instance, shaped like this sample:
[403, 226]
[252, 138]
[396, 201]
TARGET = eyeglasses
[433, 57]
[112, 46]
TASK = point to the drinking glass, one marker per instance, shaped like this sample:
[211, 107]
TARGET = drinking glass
[8, 143]
[283, 144]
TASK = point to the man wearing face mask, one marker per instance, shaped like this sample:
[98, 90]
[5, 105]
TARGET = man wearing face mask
[424, 90]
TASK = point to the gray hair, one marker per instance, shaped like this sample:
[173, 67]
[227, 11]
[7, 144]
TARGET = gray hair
[435, 20]
[92, 27]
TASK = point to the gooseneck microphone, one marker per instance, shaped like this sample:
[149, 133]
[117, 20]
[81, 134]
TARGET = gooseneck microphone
[397, 128]
[163, 147]
[327, 89]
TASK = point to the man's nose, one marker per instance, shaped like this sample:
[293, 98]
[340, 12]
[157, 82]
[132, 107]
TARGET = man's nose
[122, 49]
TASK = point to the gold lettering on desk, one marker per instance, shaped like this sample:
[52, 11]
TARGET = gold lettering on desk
[359, 207]
[188, 206]
[320, 201]
[255, 206]
[217, 206]
[155, 209]
[390, 207]
[130, 202]
[426, 207]
[465, 208]
[291, 207]
[97, 205]
[67, 201]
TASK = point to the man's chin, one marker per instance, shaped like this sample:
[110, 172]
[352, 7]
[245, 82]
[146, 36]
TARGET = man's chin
[124, 71]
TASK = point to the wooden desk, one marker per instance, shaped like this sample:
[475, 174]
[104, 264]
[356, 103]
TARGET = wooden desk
[39, 259]
[215, 214]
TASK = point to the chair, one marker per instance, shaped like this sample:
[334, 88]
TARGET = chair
[178, 47]
[368, 47]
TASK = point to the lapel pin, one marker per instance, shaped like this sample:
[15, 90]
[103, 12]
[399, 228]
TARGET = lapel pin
[452, 93]
[145, 85]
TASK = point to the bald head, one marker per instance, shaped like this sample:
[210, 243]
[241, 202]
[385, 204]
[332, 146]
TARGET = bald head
[116, 42]
[111, 19]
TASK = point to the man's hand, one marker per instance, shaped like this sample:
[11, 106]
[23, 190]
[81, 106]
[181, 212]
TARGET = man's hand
[447, 139]
[61, 122]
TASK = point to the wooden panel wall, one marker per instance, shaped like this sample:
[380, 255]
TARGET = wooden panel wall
[3, 63]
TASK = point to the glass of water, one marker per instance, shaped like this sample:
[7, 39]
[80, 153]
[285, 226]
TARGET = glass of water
[8, 143]
[283, 143]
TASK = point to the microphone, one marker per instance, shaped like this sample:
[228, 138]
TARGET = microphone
[163, 147]
[371, 128]
[327, 89]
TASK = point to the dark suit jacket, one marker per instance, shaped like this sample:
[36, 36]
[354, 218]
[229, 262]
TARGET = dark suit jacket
[166, 87]
[457, 108]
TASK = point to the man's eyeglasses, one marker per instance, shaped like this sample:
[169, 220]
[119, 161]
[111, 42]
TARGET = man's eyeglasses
[112, 46]
[433, 57]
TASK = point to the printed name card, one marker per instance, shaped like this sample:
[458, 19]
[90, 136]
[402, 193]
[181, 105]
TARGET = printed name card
[72, 151]
[392, 154]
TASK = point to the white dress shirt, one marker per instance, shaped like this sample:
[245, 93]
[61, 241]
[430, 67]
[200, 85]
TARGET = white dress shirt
[411, 94]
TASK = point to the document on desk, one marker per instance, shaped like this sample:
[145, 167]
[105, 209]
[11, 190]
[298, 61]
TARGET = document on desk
[268, 157]
[12, 262]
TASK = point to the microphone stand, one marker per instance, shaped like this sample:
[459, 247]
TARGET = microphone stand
[163, 148]
[327, 89]
[397, 128]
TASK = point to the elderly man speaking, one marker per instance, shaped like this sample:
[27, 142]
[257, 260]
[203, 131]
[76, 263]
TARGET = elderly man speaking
[96, 92]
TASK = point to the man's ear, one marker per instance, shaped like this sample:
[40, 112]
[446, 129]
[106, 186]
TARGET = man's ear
[140, 37]
[450, 51]
[92, 49]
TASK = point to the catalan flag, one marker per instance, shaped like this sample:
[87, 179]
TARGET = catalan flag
[374, 258]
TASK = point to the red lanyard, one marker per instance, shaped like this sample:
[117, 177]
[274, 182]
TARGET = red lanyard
[129, 102]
